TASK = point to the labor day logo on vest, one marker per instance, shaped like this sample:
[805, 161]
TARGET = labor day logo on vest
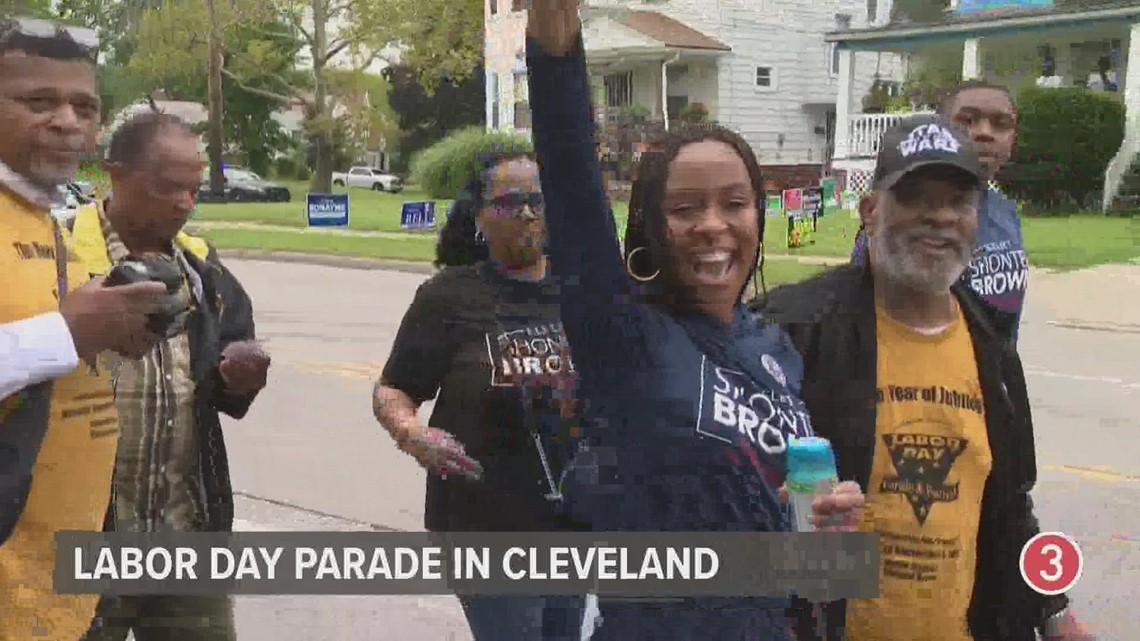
[929, 138]
[999, 273]
[735, 410]
[534, 354]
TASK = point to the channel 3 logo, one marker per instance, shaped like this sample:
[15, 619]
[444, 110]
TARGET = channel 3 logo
[1051, 563]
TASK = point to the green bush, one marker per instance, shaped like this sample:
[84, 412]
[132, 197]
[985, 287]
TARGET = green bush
[446, 167]
[1066, 138]
[285, 168]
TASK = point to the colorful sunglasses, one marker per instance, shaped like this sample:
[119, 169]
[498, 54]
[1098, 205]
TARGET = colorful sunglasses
[516, 200]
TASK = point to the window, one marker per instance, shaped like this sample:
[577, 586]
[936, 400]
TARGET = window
[676, 104]
[619, 90]
[833, 59]
[764, 77]
[518, 5]
[493, 91]
[872, 11]
[522, 115]
[494, 7]
[1048, 60]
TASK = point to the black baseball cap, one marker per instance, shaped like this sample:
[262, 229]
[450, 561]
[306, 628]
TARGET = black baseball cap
[924, 141]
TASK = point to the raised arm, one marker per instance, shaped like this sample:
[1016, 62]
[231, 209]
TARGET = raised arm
[600, 319]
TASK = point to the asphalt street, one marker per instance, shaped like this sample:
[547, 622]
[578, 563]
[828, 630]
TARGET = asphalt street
[309, 456]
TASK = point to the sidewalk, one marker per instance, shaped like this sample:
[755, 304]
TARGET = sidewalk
[1100, 298]
[335, 618]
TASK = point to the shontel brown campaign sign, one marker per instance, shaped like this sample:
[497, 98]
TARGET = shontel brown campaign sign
[817, 566]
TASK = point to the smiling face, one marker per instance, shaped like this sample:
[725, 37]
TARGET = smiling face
[49, 112]
[989, 117]
[712, 225]
[922, 231]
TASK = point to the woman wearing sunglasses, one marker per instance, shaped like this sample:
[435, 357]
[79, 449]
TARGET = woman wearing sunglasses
[483, 338]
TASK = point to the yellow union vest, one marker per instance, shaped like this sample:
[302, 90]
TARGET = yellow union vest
[71, 479]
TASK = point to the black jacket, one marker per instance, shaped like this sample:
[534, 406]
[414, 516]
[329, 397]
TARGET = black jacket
[224, 316]
[831, 320]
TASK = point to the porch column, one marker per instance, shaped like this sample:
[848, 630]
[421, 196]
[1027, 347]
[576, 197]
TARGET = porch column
[972, 59]
[844, 101]
[1131, 80]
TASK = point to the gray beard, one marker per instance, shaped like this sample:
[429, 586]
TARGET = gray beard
[890, 256]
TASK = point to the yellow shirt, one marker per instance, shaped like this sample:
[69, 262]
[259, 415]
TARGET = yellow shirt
[931, 462]
[71, 480]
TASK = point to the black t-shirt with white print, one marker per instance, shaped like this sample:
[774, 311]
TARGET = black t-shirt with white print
[486, 345]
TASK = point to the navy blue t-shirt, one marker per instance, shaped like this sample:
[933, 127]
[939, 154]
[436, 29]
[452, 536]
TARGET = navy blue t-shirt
[999, 271]
[675, 441]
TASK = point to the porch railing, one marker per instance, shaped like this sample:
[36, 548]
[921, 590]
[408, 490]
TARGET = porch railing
[867, 132]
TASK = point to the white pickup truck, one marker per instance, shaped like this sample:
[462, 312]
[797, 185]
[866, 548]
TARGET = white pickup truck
[368, 178]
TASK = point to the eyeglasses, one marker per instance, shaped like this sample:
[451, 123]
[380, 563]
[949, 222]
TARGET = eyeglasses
[516, 202]
[37, 28]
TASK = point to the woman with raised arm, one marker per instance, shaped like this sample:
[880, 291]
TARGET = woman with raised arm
[690, 402]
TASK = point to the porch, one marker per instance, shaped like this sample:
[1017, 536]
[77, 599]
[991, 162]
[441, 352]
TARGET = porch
[647, 71]
[1015, 50]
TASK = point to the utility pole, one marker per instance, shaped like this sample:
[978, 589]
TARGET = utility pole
[215, 135]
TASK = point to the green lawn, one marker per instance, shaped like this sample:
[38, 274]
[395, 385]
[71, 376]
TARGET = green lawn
[415, 248]
[367, 210]
[1075, 241]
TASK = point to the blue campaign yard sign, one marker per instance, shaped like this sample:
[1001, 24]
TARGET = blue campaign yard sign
[418, 215]
[327, 210]
[979, 6]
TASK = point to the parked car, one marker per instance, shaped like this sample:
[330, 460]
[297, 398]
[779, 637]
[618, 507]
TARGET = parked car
[243, 185]
[368, 178]
[72, 197]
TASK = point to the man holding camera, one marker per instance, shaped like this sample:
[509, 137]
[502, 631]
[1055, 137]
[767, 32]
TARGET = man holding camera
[58, 424]
[172, 473]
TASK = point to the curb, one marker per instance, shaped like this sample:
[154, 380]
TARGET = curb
[326, 260]
[413, 267]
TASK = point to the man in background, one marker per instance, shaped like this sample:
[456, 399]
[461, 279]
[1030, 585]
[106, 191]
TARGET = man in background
[58, 425]
[999, 268]
[172, 473]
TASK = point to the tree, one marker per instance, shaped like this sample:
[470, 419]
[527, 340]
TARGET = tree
[438, 38]
[174, 51]
[425, 118]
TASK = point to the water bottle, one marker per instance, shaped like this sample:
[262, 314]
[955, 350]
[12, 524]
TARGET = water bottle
[811, 472]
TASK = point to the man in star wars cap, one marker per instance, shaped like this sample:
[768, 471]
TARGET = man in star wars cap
[925, 403]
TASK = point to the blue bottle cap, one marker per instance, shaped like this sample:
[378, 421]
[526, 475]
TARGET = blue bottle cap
[811, 456]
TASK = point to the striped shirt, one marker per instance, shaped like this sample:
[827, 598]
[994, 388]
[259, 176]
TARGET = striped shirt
[158, 483]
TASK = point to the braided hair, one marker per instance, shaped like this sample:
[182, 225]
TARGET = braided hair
[646, 228]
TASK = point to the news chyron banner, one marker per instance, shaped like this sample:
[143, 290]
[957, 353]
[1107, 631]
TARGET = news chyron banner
[823, 566]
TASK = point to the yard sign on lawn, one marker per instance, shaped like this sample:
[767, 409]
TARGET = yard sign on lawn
[418, 215]
[327, 210]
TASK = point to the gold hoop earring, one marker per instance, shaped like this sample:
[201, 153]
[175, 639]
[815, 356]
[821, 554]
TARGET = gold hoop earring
[629, 267]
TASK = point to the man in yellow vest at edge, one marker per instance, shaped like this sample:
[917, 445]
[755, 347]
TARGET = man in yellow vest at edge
[58, 425]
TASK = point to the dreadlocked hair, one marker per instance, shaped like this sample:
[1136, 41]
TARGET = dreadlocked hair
[459, 242]
[645, 243]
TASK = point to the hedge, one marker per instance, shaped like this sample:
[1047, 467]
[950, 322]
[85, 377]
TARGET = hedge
[1065, 140]
[446, 167]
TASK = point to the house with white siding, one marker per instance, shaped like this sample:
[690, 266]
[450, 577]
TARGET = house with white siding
[1047, 43]
[760, 67]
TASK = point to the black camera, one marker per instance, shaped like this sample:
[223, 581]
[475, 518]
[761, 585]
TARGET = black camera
[170, 320]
